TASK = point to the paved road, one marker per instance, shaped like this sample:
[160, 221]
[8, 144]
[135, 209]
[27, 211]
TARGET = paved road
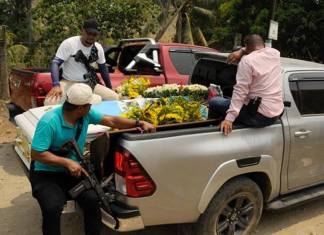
[20, 215]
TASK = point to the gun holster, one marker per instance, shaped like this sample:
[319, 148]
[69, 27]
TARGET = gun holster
[79, 188]
[253, 105]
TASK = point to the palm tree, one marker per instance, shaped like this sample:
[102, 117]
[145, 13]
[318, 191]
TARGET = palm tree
[193, 20]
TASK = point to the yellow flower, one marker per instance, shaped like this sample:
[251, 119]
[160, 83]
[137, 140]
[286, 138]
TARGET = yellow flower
[166, 111]
[133, 86]
[132, 93]
[174, 116]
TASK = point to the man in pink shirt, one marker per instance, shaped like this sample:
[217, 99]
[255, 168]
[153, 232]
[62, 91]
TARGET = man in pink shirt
[257, 96]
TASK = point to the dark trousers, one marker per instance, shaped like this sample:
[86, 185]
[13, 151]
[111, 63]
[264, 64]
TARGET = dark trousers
[50, 189]
[218, 107]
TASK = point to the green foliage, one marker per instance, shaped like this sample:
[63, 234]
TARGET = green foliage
[166, 111]
[17, 55]
[301, 29]
[10, 37]
[212, 22]
[301, 25]
[15, 14]
[240, 16]
[55, 21]
[192, 16]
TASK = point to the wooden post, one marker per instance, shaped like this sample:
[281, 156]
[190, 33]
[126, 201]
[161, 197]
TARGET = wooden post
[4, 85]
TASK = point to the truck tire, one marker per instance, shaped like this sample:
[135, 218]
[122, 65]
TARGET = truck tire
[235, 209]
[13, 111]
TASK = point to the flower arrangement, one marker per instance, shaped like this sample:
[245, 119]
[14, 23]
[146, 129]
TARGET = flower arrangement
[166, 111]
[195, 91]
[165, 90]
[133, 87]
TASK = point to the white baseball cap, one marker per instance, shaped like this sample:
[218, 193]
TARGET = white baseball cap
[81, 94]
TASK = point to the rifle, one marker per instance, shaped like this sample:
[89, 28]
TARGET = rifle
[91, 77]
[90, 181]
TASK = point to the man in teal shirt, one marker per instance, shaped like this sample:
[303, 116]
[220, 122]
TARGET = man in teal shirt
[53, 175]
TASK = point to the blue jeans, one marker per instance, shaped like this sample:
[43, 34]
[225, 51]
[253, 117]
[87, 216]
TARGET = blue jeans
[218, 107]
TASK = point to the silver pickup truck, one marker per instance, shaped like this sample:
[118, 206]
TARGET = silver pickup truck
[223, 183]
[193, 174]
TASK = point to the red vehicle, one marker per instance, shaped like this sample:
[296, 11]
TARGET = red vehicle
[159, 62]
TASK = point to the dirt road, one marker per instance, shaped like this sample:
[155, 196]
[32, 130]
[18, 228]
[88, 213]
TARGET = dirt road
[20, 215]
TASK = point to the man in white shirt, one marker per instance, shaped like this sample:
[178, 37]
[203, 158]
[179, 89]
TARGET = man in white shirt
[75, 56]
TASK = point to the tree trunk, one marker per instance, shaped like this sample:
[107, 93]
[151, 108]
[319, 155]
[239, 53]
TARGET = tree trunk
[187, 33]
[164, 28]
[4, 86]
[199, 37]
[179, 29]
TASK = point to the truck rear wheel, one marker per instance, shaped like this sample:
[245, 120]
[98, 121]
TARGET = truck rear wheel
[13, 111]
[235, 209]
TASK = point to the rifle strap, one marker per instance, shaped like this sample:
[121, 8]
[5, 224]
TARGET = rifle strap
[86, 61]
[79, 129]
[77, 136]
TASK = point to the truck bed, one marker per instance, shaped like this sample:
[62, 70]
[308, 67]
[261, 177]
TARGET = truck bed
[182, 163]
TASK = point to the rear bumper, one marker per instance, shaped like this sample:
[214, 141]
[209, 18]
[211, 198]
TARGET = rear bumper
[125, 218]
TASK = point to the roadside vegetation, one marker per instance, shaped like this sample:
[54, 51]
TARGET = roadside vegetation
[35, 28]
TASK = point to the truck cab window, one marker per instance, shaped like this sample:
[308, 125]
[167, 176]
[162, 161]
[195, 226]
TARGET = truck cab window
[308, 95]
[127, 55]
[183, 60]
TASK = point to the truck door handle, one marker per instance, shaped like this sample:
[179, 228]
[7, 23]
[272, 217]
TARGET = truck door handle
[302, 133]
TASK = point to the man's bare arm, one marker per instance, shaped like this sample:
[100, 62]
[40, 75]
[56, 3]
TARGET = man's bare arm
[48, 158]
[51, 159]
[125, 123]
[236, 56]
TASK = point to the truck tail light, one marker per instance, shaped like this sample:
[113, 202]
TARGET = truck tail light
[131, 179]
